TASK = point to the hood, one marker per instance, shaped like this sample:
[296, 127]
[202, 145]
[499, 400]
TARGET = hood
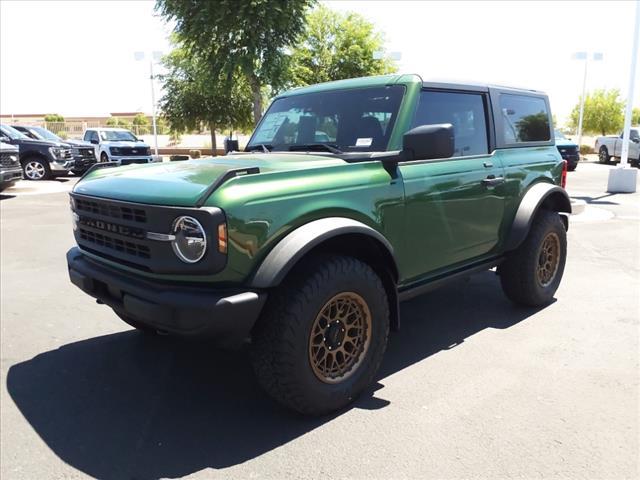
[7, 147]
[124, 143]
[78, 143]
[563, 142]
[42, 143]
[183, 183]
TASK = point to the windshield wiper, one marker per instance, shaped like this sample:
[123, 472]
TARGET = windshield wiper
[258, 146]
[312, 146]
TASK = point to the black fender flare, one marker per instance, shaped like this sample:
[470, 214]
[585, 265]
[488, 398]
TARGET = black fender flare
[293, 247]
[540, 195]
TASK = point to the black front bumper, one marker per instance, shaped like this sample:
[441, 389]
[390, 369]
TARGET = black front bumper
[227, 315]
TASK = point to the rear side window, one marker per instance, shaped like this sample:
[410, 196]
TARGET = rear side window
[465, 111]
[524, 119]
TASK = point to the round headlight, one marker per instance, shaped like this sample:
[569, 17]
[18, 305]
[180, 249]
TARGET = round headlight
[190, 242]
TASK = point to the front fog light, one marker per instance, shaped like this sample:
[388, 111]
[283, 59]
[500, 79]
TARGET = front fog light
[190, 242]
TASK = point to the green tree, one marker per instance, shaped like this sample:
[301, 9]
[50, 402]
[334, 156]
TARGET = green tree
[335, 46]
[195, 95]
[635, 116]
[142, 123]
[603, 112]
[250, 37]
[118, 122]
[53, 118]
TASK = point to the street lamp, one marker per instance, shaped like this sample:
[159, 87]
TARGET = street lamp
[155, 56]
[584, 56]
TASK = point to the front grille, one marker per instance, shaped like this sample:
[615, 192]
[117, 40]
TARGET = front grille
[65, 154]
[129, 161]
[119, 231]
[84, 153]
[110, 210]
[115, 244]
[8, 159]
[568, 151]
[134, 151]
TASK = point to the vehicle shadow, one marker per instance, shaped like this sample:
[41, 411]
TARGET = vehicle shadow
[4, 196]
[128, 405]
[597, 200]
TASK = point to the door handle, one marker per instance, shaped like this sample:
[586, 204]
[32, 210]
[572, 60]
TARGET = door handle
[487, 165]
[492, 181]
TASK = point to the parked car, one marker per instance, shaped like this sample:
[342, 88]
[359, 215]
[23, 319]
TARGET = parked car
[82, 152]
[118, 145]
[10, 169]
[610, 147]
[569, 150]
[40, 159]
[306, 246]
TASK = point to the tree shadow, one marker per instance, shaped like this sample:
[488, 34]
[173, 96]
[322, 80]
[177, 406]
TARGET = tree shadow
[128, 405]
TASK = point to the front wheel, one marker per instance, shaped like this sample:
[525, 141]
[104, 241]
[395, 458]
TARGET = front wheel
[531, 274]
[322, 336]
[36, 169]
[104, 157]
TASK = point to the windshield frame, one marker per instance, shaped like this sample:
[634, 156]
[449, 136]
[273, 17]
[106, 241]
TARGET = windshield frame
[253, 145]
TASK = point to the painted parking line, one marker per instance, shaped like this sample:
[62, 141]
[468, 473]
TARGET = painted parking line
[26, 187]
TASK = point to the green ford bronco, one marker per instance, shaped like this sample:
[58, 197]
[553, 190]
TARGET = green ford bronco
[349, 198]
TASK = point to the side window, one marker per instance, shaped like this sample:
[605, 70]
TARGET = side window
[465, 111]
[87, 136]
[524, 119]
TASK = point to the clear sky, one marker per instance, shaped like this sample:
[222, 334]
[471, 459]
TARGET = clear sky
[76, 58]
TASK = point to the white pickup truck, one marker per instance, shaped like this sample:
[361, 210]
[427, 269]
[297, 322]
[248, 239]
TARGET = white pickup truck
[610, 147]
[118, 145]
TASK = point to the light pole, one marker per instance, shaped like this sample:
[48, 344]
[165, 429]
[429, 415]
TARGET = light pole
[584, 56]
[155, 56]
[623, 178]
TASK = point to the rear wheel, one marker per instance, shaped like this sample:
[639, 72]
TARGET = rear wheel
[322, 336]
[531, 274]
[36, 169]
[603, 155]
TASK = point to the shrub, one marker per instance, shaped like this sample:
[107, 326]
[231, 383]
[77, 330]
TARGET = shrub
[586, 149]
[63, 135]
[194, 153]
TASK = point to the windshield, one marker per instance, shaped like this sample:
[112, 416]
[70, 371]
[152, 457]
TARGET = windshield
[560, 135]
[118, 135]
[45, 134]
[12, 133]
[348, 120]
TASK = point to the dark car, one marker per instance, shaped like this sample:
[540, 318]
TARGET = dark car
[10, 169]
[83, 152]
[568, 150]
[40, 159]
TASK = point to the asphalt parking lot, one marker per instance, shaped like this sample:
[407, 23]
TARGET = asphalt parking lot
[471, 387]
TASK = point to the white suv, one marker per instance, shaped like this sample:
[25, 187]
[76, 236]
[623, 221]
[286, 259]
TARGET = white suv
[118, 145]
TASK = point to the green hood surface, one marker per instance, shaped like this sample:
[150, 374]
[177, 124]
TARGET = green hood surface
[183, 183]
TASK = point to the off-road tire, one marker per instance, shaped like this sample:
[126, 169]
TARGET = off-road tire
[104, 157]
[519, 273]
[280, 350]
[603, 155]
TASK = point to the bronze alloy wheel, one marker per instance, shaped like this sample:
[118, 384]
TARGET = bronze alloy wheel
[340, 337]
[549, 259]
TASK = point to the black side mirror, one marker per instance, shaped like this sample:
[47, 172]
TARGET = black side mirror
[94, 141]
[428, 141]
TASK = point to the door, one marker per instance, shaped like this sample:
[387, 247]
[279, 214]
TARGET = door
[454, 206]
